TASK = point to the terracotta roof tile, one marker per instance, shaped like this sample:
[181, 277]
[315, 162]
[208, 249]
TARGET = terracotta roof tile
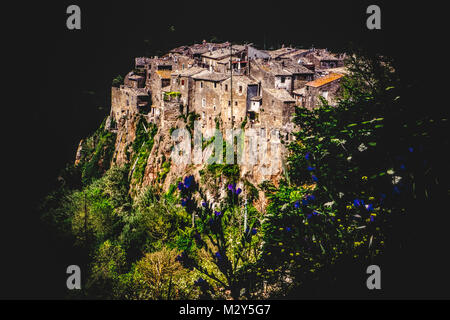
[324, 80]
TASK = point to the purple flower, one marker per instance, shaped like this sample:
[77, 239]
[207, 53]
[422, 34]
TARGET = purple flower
[232, 187]
[254, 231]
[183, 202]
[311, 168]
[309, 216]
[411, 149]
[304, 202]
[188, 181]
[371, 218]
[199, 282]
[180, 186]
[296, 204]
[315, 213]
[307, 156]
[310, 197]
[238, 191]
[315, 178]
[180, 257]
[369, 207]
[356, 203]
[218, 213]
[204, 204]
[218, 255]
[288, 229]
[402, 166]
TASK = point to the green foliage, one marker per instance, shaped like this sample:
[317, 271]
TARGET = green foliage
[96, 154]
[171, 95]
[223, 241]
[142, 146]
[344, 171]
[117, 81]
[108, 264]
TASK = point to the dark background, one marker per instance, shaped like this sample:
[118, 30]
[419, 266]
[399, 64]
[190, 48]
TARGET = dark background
[59, 89]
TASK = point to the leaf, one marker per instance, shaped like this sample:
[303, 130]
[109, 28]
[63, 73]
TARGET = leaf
[372, 144]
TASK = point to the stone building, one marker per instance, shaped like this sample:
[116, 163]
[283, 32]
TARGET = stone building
[326, 87]
[300, 74]
[134, 80]
[237, 93]
[206, 96]
[277, 108]
[322, 59]
[127, 100]
[271, 75]
[182, 82]
[219, 60]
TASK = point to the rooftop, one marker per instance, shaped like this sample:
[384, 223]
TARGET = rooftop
[135, 77]
[300, 92]
[296, 68]
[281, 94]
[324, 55]
[188, 72]
[219, 53]
[275, 69]
[141, 61]
[210, 76]
[324, 80]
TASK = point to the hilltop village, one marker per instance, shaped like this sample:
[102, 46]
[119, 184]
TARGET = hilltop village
[225, 86]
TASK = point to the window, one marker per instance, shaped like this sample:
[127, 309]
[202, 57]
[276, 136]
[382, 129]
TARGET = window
[283, 79]
[240, 89]
[201, 84]
[325, 94]
[203, 102]
[182, 66]
[235, 103]
[226, 87]
[215, 84]
[229, 102]
[182, 82]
